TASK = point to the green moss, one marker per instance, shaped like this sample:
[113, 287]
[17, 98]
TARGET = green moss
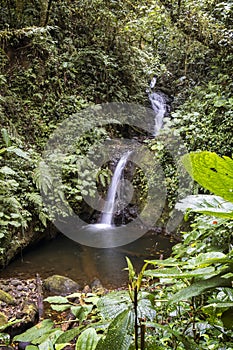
[3, 319]
[6, 298]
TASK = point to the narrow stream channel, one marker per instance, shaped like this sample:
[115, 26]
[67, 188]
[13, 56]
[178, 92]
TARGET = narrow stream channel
[83, 264]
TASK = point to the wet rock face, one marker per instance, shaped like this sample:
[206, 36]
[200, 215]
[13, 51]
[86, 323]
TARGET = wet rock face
[15, 243]
[60, 285]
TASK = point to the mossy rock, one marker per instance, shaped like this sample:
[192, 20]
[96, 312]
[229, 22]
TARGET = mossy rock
[97, 287]
[3, 319]
[60, 285]
[7, 298]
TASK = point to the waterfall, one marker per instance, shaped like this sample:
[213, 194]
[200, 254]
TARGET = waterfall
[108, 211]
[158, 104]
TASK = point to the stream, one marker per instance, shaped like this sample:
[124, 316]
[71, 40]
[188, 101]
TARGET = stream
[83, 264]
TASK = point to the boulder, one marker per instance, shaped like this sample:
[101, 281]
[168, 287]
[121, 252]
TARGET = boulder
[60, 285]
[97, 287]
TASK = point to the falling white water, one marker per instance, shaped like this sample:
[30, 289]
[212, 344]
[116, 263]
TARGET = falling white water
[158, 104]
[108, 211]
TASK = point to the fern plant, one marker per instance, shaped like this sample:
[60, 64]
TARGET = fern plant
[20, 202]
[10, 207]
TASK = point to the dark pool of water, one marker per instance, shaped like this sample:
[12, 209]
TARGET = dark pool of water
[65, 257]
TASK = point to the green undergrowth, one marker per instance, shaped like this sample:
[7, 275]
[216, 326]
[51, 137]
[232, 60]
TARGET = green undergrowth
[183, 302]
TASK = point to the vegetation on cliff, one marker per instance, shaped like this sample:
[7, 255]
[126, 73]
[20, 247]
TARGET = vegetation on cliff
[57, 58]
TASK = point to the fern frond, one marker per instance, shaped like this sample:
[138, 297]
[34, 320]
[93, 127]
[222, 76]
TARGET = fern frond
[42, 177]
[35, 198]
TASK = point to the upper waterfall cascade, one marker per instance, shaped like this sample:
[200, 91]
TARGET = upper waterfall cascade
[159, 104]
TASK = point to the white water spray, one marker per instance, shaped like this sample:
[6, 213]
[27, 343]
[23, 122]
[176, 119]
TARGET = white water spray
[108, 211]
[158, 104]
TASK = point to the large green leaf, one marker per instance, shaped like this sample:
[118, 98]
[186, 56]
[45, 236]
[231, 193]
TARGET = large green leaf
[7, 171]
[58, 299]
[35, 332]
[145, 308]
[208, 205]
[119, 335]
[67, 336]
[19, 152]
[60, 307]
[207, 259]
[200, 287]
[212, 172]
[111, 305]
[51, 336]
[46, 345]
[87, 340]
[81, 311]
[166, 262]
[130, 269]
[177, 273]
[6, 137]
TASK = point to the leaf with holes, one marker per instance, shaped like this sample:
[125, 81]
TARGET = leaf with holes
[212, 172]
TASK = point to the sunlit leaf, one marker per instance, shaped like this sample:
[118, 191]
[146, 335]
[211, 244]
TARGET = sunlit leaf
[19, 152]
[212, 172]
[177, 273]
[6, 137]
[60, 307]
[206, 259]
[7, 171]
[57, 299]
[130, 269]
[208, 205]
[200, 287]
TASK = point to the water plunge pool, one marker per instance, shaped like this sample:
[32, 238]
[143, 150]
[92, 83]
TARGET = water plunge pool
[83, 264]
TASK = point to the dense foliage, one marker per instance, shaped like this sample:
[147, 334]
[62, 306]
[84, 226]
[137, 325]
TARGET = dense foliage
[57, 58]
[183, 302]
